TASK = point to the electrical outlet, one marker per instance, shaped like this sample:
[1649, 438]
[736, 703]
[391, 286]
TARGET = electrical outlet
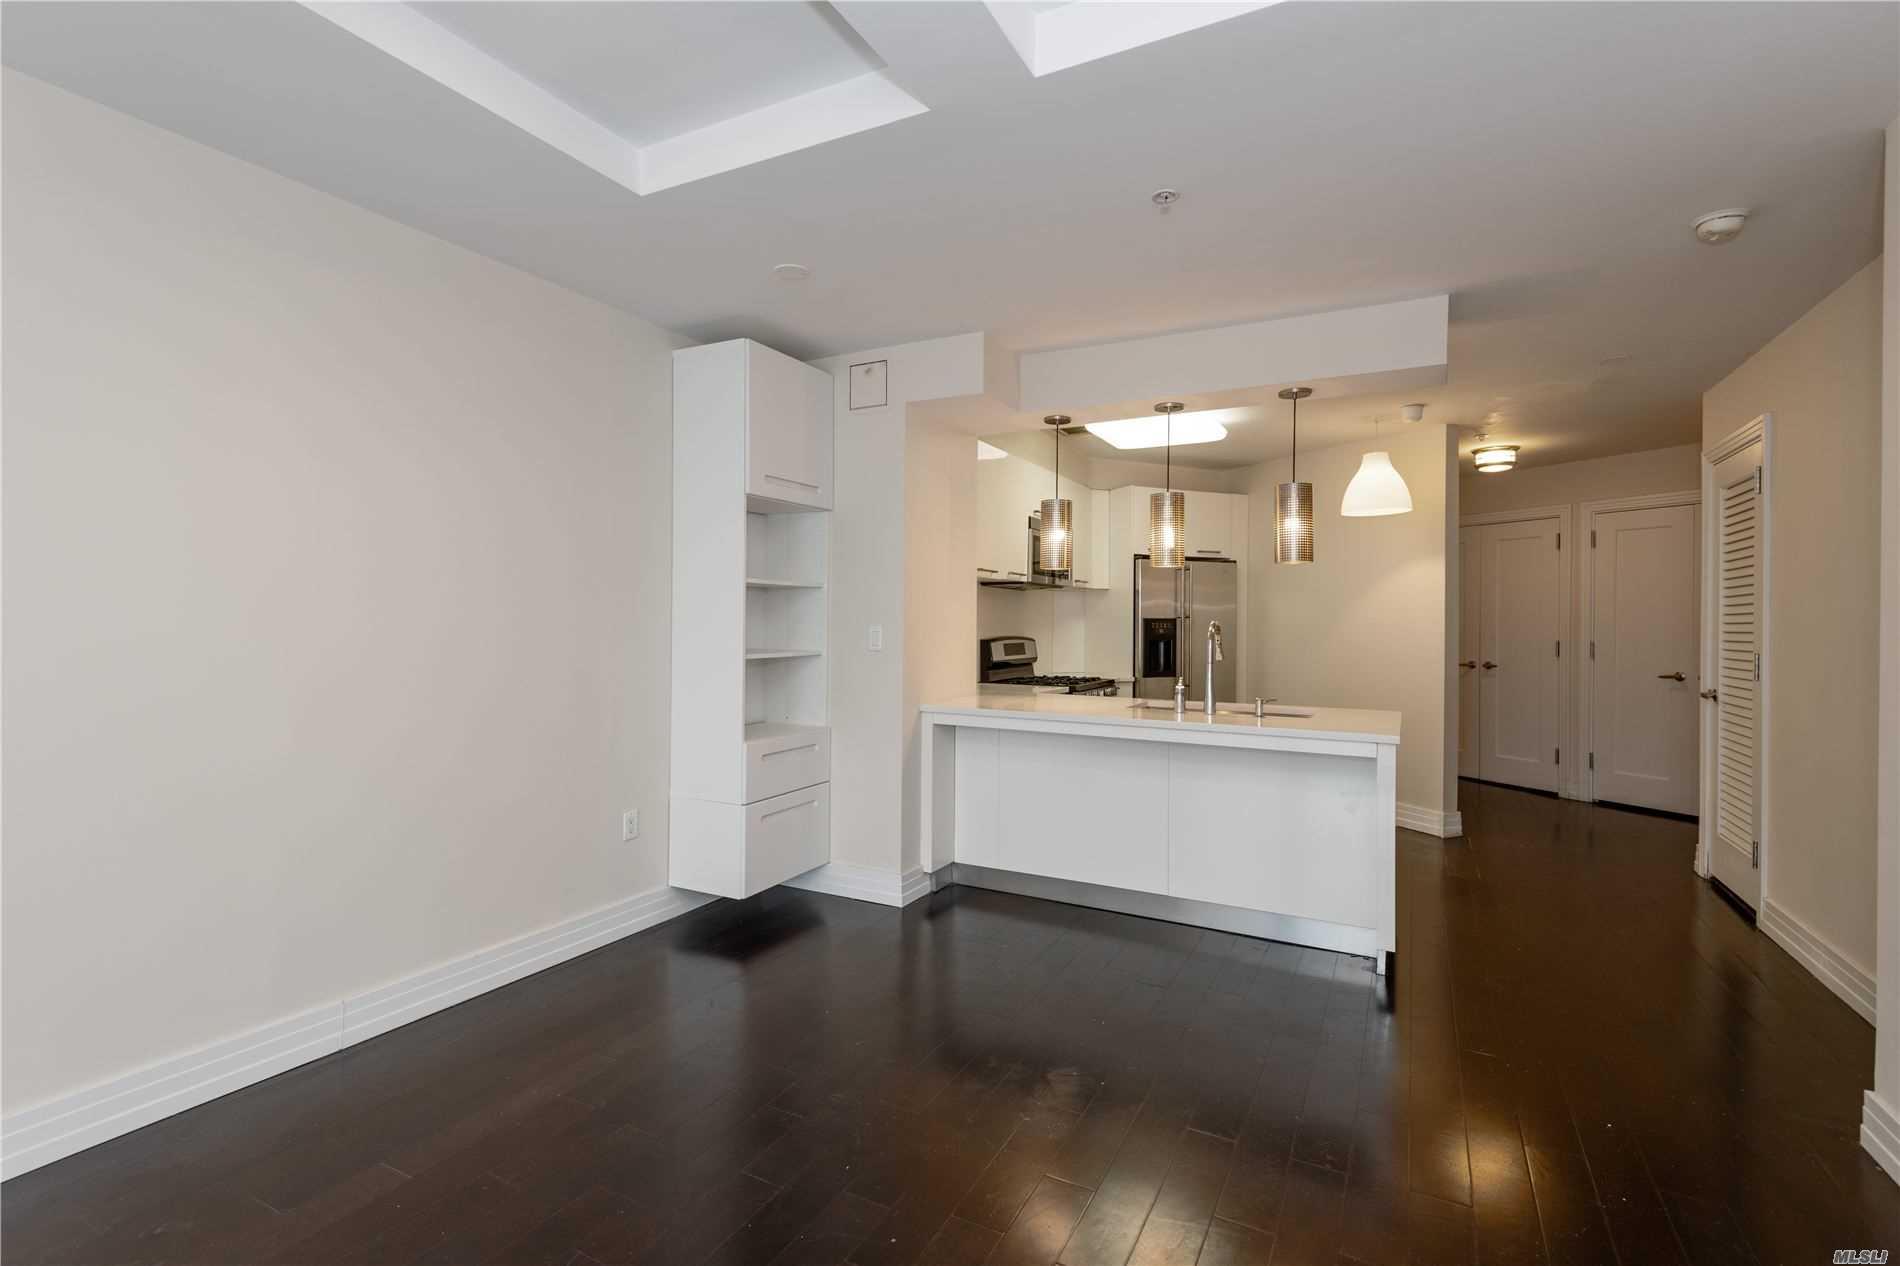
[630, 825]
[874, 638]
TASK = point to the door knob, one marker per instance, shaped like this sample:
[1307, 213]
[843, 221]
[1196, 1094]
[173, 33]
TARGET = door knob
[1709, 695]
[1670, 677]
[1467, 663]
[1489, 664]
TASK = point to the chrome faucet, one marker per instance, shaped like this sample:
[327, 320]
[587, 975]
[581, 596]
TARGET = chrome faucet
[1215, 653]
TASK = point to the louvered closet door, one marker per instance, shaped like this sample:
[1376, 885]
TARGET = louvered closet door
[1740, 550]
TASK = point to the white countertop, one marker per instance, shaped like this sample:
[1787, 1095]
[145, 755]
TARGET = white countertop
[1345, 724]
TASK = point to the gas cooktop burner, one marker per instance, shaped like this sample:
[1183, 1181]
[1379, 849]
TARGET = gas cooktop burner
[1055, 679]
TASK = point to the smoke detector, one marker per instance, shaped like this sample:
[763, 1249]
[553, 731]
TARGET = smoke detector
[1165, 198]
[790, 272]
[1721, 226]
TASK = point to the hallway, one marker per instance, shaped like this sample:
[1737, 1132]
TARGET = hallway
[1592, 1060]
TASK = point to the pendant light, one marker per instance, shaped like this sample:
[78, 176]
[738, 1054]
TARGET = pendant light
[1293, 500]
[1377, 489]
[1494, 459]
[1057, 549]
[1167, 509]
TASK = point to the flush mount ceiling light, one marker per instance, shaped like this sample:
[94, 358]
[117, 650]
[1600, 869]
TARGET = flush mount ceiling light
[988, 452]
[1203, 427]
[1293, 500]
[1167, 509]
[791, 272]
[1377, 489]
[1056, 543]
[1494, 459]
[1412, 412]
[1718, 227]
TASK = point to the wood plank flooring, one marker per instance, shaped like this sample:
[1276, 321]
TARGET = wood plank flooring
[1591, 1060]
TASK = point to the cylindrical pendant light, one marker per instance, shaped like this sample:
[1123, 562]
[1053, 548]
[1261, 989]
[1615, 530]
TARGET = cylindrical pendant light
[1293, 500]
[1167, 509]
[1377, 489]
[1057, 549]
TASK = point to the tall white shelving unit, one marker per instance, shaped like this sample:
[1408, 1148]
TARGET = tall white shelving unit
[751, 798]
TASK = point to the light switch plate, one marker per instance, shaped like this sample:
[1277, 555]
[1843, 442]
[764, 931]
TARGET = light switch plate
[870, 384]
[874, 638]
[630, 825]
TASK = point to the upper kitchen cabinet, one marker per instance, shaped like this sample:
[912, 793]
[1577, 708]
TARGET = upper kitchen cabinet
[787, 407]
[1210, 523]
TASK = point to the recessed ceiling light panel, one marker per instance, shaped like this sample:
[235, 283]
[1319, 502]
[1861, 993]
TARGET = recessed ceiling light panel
[1189, 428]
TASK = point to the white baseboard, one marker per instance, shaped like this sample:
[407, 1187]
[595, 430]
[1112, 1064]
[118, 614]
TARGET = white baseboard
[59, 1127]
[1431, 821]
[865, 883]
[1849, 982]
[1880, 1134]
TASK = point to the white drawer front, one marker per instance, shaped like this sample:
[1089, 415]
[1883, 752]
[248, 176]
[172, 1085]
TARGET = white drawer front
[777, 765]
[786, 835]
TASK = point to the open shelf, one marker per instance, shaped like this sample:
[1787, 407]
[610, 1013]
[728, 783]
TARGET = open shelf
[759, 582]
[767, 731]
[763, 653]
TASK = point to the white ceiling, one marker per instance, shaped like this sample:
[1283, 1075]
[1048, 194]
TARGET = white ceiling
[1539, 162]
[656, 69]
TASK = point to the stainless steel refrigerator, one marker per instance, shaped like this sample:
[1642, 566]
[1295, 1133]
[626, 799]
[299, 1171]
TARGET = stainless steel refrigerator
[1172, 608]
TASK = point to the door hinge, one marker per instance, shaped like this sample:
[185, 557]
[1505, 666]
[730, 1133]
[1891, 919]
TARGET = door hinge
[1758, 481]
[1593, 538]
[1560, 648]
[1560, 540]
[1593, 648]
[1593, 760]
[1754, 854]
[1757, 665]
[1556, 755]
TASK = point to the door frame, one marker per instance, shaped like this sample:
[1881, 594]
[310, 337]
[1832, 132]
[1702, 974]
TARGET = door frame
[1760, 428]
[1586, 619]
[1569, 786]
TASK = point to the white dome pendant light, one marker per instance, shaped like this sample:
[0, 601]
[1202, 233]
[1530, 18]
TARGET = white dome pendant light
[1057, 541]
[1293, 500]
[1377, 489]
[1167, 510]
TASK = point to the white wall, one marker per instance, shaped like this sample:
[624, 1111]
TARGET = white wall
[878, 560]
[336, 630]
[1365, 626]
[1881, 1130]
[1820, 378]
[1571, 484]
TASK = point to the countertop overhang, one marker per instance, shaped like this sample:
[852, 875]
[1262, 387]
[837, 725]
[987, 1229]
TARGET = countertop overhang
[1120, 718]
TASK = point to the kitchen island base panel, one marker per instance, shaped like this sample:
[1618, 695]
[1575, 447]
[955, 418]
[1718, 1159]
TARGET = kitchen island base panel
[1267, 926]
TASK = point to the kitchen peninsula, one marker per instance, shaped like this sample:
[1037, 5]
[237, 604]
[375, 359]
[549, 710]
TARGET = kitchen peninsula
[1280, 825]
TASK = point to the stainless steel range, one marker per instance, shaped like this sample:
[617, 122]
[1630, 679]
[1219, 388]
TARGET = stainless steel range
[1007, 665]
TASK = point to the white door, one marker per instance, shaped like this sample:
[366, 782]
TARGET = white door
[1734, 857]
[1470, 633]
[1520, 666]
[1644, 666]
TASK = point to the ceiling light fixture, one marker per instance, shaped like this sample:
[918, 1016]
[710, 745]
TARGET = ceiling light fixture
[791, 272]
[1718, 227]
[1293, 500]
[1412, 412]
[1203, 427]
[1167, 509]
[1377, 489]
[1165, 198]
[1055, 548]
[1494, 459]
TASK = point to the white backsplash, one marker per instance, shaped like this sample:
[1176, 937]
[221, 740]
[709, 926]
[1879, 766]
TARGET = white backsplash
[1055, 619]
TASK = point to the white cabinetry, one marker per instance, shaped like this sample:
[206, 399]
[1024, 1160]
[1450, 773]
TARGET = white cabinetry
[788, 427]
[750, 743]
[1210, 517]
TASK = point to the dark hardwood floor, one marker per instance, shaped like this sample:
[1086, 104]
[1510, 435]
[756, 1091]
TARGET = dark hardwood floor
[1592, 1060]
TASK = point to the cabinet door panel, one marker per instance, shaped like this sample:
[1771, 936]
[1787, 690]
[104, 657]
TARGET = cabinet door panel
[788, 429]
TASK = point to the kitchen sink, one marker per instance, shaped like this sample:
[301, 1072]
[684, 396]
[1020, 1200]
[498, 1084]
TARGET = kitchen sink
[1229, 709]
